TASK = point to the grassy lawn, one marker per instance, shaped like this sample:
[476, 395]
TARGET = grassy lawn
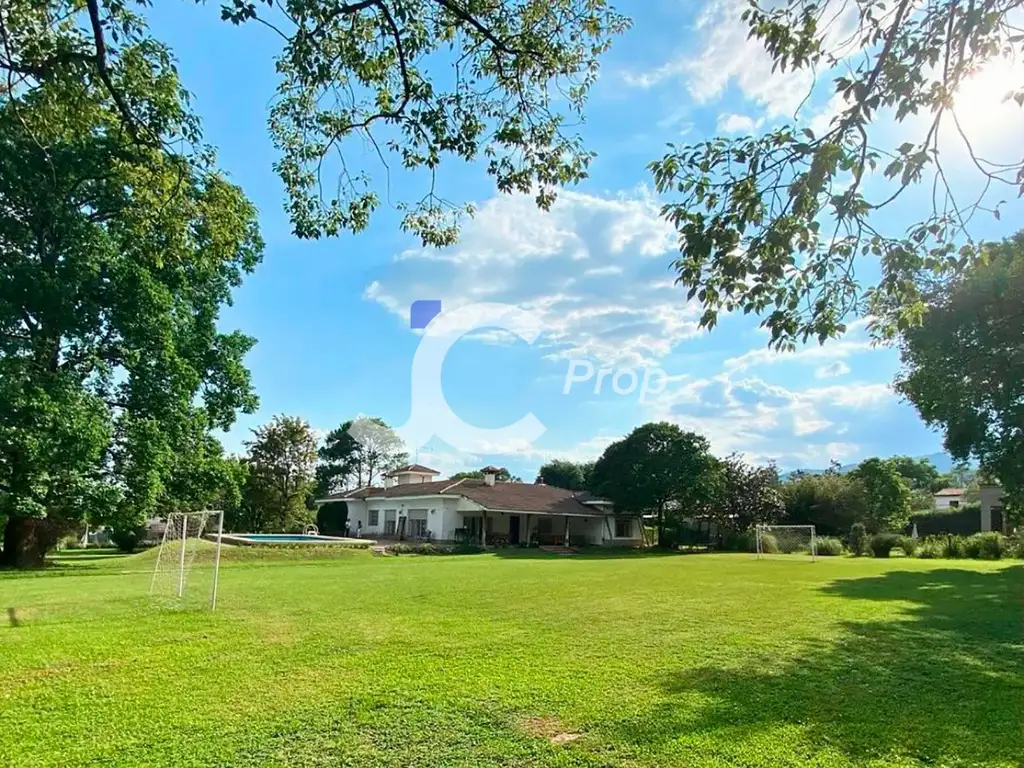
[706, 660]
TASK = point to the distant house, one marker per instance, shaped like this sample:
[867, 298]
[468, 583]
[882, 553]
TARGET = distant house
[413, 505]
[949, 498]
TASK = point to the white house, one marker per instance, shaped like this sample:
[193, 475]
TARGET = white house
[949, 498]
[413, 505]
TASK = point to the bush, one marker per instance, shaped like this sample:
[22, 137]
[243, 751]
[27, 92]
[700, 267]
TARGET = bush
[1015, 547]
[828, 546]
[882, 544]
[963, 520]
[769, 544]
[858, 539]
[739, 541]
[986, 546]
[909, 545]
[954, 547]
[127, 539]
[929, 549]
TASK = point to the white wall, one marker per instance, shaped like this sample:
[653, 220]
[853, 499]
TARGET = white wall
[943, 502]
[445, 515]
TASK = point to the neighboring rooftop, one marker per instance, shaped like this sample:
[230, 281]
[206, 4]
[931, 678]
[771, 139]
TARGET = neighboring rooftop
[951, 492]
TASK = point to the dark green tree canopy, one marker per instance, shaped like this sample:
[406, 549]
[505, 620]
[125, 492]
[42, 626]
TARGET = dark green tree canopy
[358, 453]
[281, 464]
[503, 476]
[964, 369]
[775, 224]
[887, 496]
[562, 473]
[415, 81]
[658, 469]
[115, 259]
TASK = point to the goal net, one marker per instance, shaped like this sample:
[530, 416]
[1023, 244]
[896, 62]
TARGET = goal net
[188, 561]
[786, 540]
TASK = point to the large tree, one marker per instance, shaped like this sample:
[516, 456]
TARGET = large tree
[502, 476]
[358, 453]
[920, 474]
[748, 494]
[562, 473]
[658, 469]
[887, 497]
[281, 470]
[365, 82]
[115, 259]
[776, 223]
[830, 501]
[964, 369]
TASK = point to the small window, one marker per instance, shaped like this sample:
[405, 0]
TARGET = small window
[954, 503]
[374, 518]
[623, 528]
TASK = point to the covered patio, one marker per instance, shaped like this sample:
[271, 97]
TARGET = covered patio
[488, 528]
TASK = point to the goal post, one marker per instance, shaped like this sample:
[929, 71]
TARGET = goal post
[786, 540]
[187, 568]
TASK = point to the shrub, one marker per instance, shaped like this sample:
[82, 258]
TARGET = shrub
[127, 539]
[1015, 547]
[858, 539]
[963, 520]
[769, 544]
[909, 545]
[929, 549]
[828, 546]
[739, 541]
[882, 544]
[954, 547]
[986, 546]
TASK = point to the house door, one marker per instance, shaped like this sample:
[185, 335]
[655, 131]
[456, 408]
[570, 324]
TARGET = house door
[513, 529]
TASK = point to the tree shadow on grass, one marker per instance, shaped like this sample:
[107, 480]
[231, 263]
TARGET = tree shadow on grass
[944, 682]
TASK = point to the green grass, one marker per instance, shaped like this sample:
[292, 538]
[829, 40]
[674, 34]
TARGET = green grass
[351, 660]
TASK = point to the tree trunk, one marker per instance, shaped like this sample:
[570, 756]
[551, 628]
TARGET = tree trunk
[26, 541]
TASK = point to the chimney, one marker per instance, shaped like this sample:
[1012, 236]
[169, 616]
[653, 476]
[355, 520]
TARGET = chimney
[490, 473]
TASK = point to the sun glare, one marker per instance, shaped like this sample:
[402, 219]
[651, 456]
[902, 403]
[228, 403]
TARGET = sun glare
[980, 107]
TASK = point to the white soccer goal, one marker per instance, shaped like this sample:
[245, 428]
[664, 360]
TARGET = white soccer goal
[188, 561]
[786, 540]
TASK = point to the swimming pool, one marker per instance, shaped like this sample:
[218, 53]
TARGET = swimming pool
[285, 539]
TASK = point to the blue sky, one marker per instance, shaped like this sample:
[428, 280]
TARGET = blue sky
[331, 316]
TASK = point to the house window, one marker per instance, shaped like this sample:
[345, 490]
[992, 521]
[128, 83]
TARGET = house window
[418, 528]
[623, 528]
[374, 518]
[543, 525]
[954, 503]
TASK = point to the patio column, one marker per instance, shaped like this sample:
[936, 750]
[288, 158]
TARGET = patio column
[565, 542]
[483, 529]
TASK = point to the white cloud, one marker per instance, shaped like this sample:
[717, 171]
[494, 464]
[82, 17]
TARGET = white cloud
[767, 422]
[730, 55]
[838, 368]
[593, 269]
[831, 350]
[729, 122]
